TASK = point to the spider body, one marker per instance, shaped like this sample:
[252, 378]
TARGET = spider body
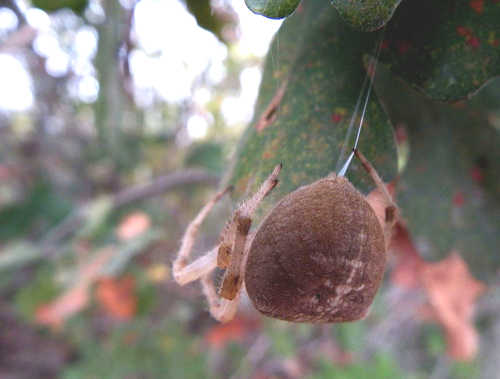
[318, 256]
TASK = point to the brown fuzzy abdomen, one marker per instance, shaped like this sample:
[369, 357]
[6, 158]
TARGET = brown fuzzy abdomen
[318, 256]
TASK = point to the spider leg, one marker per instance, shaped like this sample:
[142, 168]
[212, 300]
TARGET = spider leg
[232, 278]
[240, 226]
[195, 270]
[184, 273]
[374, 175]
[221, 309]
[391, 208]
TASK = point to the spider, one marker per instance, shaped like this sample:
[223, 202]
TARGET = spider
[318, 256]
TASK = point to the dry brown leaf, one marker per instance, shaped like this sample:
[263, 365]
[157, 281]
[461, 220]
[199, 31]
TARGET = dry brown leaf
[406, 271]
[452, 294]
[74, 299]
[133, 225]
[117, 297]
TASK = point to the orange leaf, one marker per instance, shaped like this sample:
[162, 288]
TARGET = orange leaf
[451, 291]
[133, 225]
[75, 298]
[117, 298]
[406, 272]
[235, 330]
[452, 294]
[54, 313]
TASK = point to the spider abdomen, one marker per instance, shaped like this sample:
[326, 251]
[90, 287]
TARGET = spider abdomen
[318, 256]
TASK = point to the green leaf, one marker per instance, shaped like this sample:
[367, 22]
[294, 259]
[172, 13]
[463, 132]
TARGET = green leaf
[366, 15]
[207, 18]
[39, 290]
[159, 350]
[446, 49]
[272, 8]
[449, 193]
[77, 6]
[41, 209]
[316, 64]
[381, 367]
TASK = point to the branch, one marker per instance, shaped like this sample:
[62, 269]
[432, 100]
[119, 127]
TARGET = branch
[163, 184]
[157, 187]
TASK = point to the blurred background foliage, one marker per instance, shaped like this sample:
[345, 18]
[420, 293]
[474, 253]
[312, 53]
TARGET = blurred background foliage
[118, 119]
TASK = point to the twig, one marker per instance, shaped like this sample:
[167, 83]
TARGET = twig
[157, 187]
[163, 184]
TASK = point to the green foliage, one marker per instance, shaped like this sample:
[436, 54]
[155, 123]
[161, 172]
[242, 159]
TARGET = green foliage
[464, 370]
[77, 6]
[436, 347]
[145, 292]
[138, 350]
[350, 336]
[446, 49]
[450, 189]
[41, 208]
[321, 65]
[282, 339]
[40, 290]
[272, 8]
[207, 18]
[208, 155]
[434, 341]
[449, 193]
[381, 367]
[366, 15]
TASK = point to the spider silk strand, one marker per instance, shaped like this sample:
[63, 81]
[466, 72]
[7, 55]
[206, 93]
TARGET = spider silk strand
[372, 69]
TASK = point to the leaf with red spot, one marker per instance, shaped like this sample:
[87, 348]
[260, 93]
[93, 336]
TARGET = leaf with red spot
[305, 107]
[337, 117]
[449, 191]
[444, 149]
[445, 49]
[423, 43]
[477, 5]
